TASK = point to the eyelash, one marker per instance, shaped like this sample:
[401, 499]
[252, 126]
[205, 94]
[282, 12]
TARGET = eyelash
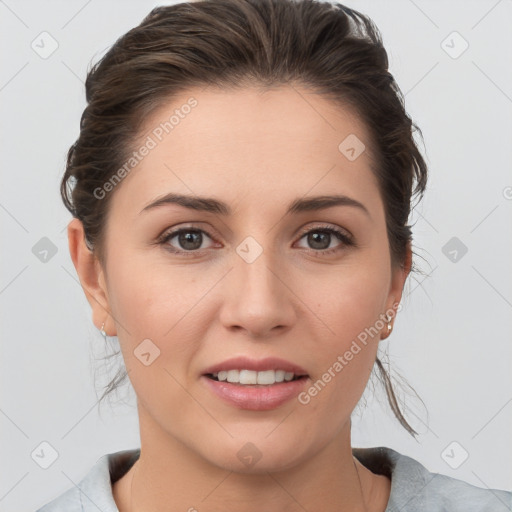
[346, 240]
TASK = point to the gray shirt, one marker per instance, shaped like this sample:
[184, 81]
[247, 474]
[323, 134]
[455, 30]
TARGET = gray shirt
[413, 487]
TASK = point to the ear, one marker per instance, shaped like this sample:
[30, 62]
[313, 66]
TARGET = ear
[398, 278]
[91, 276]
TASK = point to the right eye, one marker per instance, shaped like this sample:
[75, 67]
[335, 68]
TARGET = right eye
[189, 239]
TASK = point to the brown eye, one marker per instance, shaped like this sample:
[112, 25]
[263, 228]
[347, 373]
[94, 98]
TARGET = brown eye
[320, 239]
[187, 240]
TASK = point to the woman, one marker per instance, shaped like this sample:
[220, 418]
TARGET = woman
[241, 188]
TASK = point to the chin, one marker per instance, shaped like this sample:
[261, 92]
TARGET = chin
[258, 456]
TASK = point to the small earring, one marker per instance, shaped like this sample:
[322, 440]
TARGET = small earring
[390, 325]
[102, 331]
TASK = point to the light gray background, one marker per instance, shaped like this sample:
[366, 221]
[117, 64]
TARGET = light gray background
[452, 340]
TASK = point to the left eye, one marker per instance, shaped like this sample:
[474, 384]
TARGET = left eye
[318, 238]
[190, 240]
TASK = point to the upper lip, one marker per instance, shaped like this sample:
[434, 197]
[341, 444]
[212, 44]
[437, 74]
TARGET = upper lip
[258, 365]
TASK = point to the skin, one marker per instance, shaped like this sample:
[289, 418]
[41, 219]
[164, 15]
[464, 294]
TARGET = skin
[257, 152]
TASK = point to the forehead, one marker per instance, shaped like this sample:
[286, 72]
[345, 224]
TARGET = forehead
[255, 115]
[288, 139]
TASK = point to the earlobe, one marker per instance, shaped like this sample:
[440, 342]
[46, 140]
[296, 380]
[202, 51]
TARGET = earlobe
[90, 275]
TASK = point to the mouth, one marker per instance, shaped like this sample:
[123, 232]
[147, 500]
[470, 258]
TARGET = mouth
[257, 385]
[245, 377]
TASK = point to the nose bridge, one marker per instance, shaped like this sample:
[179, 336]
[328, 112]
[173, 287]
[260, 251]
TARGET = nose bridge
[256, 269]
[260, 300]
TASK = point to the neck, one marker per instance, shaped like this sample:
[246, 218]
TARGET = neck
[168, 475]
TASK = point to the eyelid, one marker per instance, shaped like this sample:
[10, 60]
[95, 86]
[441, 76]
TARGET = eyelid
[302, 231]
[192, 226]
[327, 227]
[170, 233]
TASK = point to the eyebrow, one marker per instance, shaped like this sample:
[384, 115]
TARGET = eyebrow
[211, 205]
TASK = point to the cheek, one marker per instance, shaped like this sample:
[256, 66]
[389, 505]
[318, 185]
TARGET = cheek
[157, 303]
[148, 297]
[349, 306]
[349, 302]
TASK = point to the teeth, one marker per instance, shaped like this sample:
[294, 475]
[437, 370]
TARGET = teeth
[233, 376]
[266, 377]
[280, 375]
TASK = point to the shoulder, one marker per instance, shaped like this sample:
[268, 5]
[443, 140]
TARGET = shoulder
[94, 491]
[414, 487]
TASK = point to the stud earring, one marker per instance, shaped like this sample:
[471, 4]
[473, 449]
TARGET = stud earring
[390, 325]
[102, 331]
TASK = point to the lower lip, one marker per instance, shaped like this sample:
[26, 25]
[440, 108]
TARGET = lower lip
[253, 397]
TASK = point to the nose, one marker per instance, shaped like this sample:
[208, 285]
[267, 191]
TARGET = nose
[257, 297]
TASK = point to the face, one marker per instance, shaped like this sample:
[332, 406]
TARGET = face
[283, 288]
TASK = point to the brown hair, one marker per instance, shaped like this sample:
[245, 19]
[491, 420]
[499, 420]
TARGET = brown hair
[326, 47]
